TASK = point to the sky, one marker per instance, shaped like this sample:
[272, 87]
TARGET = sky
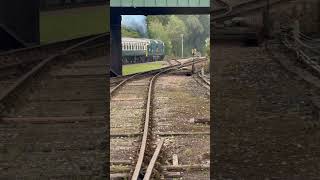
[137, 22]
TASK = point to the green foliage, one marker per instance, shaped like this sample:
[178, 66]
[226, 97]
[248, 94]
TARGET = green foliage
[162, 19]
[195, 28]
[129, 32]
[175, 28]
[158, 31]
[207, 47]
[199, 30]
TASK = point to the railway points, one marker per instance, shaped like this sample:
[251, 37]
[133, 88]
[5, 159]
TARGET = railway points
[131, 123]
[264, 106]
[55, 111]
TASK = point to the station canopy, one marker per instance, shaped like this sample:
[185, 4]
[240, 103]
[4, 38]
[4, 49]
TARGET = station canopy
[160, 3]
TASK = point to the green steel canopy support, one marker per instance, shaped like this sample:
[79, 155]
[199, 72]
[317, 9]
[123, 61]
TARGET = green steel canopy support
[160, 3]
[146, 7]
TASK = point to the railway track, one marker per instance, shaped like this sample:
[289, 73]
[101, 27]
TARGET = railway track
[35, 53]
[116, 82]
[254, 85]
[79, 50]
[203, 81]
[127, 111]
[223, 8]
[175, 101]
[243, 8]
[56, 113]
[305, 48]
[15, 63]
[304, 70]
[252, 92]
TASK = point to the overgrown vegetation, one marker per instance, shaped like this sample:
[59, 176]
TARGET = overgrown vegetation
[195, 30]
[130, 32]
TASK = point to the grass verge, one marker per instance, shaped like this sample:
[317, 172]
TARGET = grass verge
[72, 23]
[135, 68]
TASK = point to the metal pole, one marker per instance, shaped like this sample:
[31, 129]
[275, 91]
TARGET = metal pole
[182, 45]
[193, 64]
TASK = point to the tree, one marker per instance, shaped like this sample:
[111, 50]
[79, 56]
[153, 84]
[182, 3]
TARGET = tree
[158, 31]
[196, 29]
[129, 32]
[199, 26]
[207, 47]
[175, 28]
[162, 19]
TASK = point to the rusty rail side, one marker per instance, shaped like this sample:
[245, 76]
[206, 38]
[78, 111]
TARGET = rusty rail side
[154, 158]
[10, 91]
[147, 117]
[49, 120]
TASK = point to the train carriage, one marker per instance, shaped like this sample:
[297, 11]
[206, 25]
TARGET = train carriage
[140, 50]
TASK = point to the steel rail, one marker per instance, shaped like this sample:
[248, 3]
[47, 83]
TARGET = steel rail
[48, 120]
[30, 62]
[301, 55]
[206, 83]
[311, 48]
[299, 41]
[148, 115]
[41, 65]
[243, 8]
[122, 83]
[146, 127]
[227, 8]
[154, 158]
[48, 45]
[308, 38]
[18, 62]
[129, 75]
[132, 76]
[150, 167]
[233, 7]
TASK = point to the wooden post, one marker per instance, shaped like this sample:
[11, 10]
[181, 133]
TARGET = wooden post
[175, 162]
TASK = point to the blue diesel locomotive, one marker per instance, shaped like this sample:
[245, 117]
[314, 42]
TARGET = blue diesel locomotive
[141, 50]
